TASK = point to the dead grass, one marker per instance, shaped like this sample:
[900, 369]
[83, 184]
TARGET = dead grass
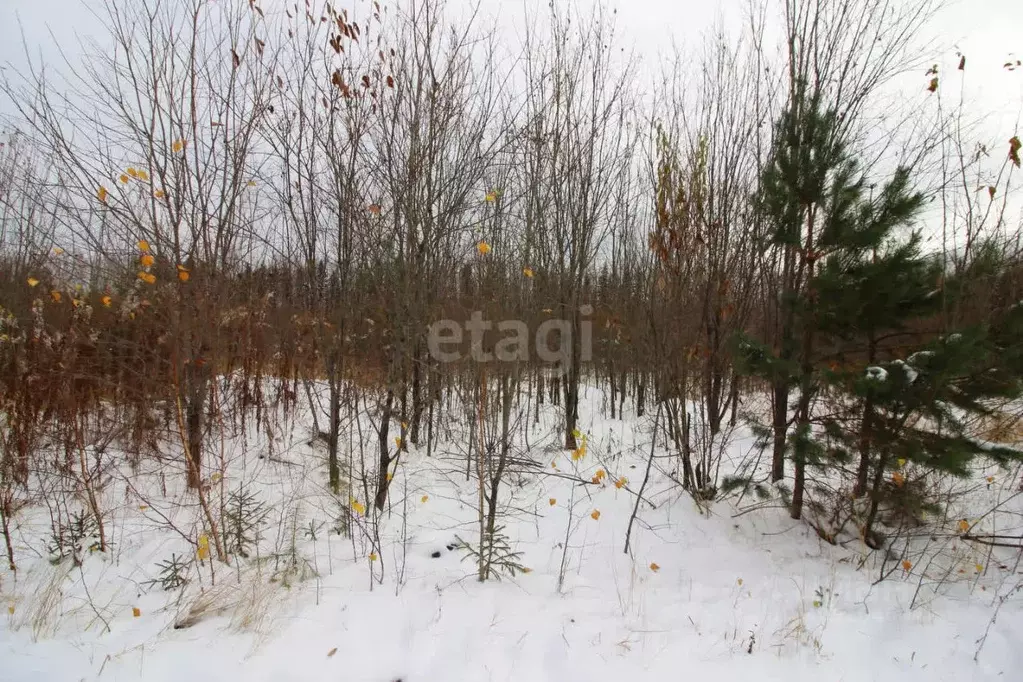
[1001, 427]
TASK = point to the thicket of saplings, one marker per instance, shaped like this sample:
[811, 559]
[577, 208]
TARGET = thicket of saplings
[233, 216]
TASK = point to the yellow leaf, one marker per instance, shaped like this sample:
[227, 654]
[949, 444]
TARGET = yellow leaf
[10, 609]
[177, 146]
[595, 515]
[526, 569]
[358, 507]
[55, 295]
[483, 248]
[183, 274]
[132, 172]
[331, 652]
[57, 250]
[147, 260]
[135, 611]
[204, 547]
[600, 474]
[579, 452]
[979, 567]
[491, 196]
[552, 501]
[106, 301]
[373, 556]
[101, 194]
[143, 246]
[143, 175]
[124, 178]
[907, 564]
[159, 194]
[898, 479]
[215, 478]
[528, 272]
[147, 277]
[389, 476]
[654, 567]
[143, 507]
[32, 281]
[252, 183]
[964, 525]
[990, 479]
[901, 462]
[424, 498]
[397, 441]
[621, 482]
[575, 432]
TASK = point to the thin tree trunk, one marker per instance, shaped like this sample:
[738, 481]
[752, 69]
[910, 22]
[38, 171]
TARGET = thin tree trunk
[866, 425]
[640, 394]
[875, 501]
[194, 428]
[733, 401]
[799, 456]
[572, 386]
[5, 515]
[434, 399]
[805, 381]
[780, 405]
[417, 400]
[611, 380]
[682, 443]
[385, 453]
[334, 422]
[502, 462]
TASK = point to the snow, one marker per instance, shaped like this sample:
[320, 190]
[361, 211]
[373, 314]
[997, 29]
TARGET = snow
[911, 373]
[737, 596]
[877, 374]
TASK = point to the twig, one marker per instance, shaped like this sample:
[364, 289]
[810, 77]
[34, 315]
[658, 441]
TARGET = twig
[85, 585]
[646, 477]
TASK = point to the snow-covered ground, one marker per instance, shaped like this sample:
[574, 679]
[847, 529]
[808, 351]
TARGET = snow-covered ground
[724, 594]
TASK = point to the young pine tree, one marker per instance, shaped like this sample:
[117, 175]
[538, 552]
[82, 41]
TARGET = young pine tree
[871, 295]
[842, 274]
[921, 408]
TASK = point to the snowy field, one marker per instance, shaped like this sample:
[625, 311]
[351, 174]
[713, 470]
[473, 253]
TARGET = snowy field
[733, 591]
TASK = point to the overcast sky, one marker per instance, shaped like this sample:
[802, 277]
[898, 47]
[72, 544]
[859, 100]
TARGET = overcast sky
[988, 32]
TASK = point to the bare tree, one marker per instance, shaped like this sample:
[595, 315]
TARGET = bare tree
[579, 137]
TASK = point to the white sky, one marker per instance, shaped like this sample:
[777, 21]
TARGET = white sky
[987, 31]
